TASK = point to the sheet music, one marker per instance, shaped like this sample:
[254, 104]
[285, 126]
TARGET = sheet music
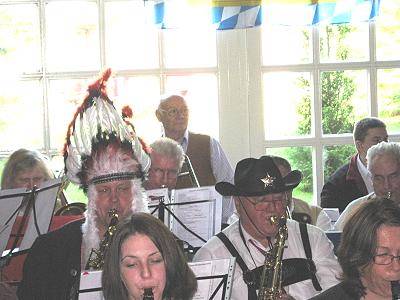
[221, 269]
[203, 218]
[90, 286]
[44, 205]
[8, 206]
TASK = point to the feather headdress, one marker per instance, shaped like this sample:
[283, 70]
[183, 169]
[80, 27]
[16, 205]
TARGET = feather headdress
[97, 122]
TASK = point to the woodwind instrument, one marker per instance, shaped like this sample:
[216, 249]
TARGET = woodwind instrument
[271, 278]
[395, 285]
[148, 294]
[96, 258]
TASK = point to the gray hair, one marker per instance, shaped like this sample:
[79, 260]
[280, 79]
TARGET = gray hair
[362, 126]
[381, 149]
[168, 147]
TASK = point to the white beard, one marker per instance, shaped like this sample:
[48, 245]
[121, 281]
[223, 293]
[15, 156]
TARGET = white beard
[90, 232]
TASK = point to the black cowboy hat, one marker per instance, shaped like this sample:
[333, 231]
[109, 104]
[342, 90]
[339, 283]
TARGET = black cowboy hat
[258, 177]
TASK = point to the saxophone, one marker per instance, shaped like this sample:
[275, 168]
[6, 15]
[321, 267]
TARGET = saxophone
[97, 261]
[271, 278]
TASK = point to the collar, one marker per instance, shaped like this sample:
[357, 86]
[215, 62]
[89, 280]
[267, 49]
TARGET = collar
[185, 140]
[365, 174]
[247, 238]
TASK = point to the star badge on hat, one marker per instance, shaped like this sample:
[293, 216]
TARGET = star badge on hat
[268, 181]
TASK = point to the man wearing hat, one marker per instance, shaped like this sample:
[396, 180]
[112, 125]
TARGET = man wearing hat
[108, 162]
[260, 192]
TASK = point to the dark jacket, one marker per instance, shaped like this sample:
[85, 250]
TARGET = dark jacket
[344, 186]
[53, 264]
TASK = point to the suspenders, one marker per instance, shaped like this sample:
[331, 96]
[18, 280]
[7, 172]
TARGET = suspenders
[248, 275]
[307, 250]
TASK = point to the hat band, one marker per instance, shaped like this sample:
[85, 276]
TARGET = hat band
[115, 176]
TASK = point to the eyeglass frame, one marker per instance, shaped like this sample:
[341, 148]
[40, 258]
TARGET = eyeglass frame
[173, 112]
[161, 172]
[274, 202]
[392, 257]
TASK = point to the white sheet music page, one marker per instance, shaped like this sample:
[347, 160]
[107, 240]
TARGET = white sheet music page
[220, 269]
[200, 209]
[8, 205]
[90, 286]
[45, 202]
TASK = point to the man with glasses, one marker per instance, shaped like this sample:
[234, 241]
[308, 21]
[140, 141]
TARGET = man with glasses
[206, 155]
[260, 192]
[166, 161]
[384, 165]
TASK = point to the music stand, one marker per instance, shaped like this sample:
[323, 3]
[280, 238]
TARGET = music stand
[199, 207]
[214, 281]
[214, 278]
[38, 206]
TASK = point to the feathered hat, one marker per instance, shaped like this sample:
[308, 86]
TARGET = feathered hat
[95, 125]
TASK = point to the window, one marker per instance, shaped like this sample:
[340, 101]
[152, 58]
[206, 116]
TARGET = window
[46, 69]
[317, 81]
[294, 91]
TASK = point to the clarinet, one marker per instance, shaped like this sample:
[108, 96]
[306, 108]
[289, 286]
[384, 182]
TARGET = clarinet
[395, 290]
[148, 294]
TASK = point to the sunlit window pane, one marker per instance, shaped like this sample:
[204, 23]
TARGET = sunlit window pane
[387, 31]
[19, 126]
[389, 98]
[72, 192]
[278, 43]
[67, 94]
[142, 94]
[300, 158]
[72, 36]
[335, 157]
[190, 48]
[131, 39]
[202, 98]
[340, 43]
[344, 96]
[287, 97]
[19, 39]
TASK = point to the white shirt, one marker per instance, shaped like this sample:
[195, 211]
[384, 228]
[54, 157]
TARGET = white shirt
[325, 261]
[365, 174]
[222, 171]
[350, 210]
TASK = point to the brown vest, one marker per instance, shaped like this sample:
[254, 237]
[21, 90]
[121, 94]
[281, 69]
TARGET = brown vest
[198, 151]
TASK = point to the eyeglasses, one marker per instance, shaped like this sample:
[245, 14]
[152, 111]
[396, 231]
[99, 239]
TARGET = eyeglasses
[173, 112]
[161, 172]
[385, 259]
[277, 200]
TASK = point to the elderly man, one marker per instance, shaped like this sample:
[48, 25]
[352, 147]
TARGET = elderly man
[167, 158]
[260, 194]
[352, 180]
[384, 165]
[208, 159]
[108, 163]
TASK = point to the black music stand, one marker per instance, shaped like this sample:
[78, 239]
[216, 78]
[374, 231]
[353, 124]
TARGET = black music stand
[38, 205]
